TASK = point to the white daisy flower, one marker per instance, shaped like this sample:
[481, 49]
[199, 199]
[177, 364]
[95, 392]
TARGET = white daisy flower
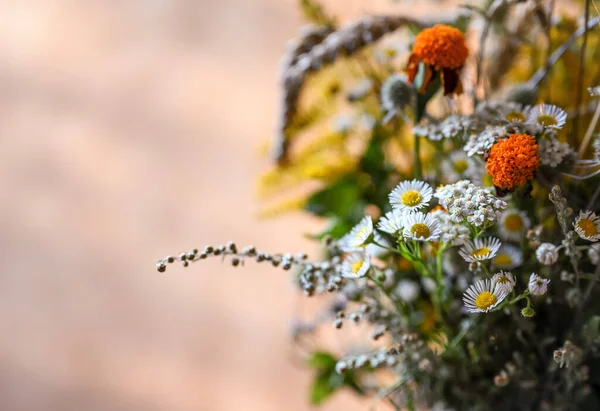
[479, 175]
[587, 225]
[538, 285]
[594, 253]
[455, 166]
[547, 253]
[392, 222]
[359, 236]
[480, 250]
[514, 113]
[508, 257]
[504, 279]
[408, 290]
[548, 116]
[513, 225]
[356, 265]
[421, 227]
[411, 195]
[483, 296]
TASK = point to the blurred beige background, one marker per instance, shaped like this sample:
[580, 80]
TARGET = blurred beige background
[129, 131]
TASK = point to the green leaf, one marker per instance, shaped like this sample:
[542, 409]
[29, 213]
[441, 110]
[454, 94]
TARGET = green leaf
[322, 361]
[336, 228]
[591, 330]
[338, 199]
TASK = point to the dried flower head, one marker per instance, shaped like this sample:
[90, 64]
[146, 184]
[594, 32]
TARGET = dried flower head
[396, 94]
[547, 253]
[442, 49]
[513, 161]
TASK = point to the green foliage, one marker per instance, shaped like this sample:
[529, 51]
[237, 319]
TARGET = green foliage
[327, 381]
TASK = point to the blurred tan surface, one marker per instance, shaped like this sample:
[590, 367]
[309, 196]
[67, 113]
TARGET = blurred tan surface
[129, 130]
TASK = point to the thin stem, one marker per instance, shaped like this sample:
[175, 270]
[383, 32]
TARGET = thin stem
[417, 164]
[489, 16]
[589, 132]
[581, 74]
[386, 247]
[462, 334]
[541, 74]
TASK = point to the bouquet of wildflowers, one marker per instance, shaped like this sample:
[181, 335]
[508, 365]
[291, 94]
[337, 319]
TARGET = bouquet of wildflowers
[456, 164]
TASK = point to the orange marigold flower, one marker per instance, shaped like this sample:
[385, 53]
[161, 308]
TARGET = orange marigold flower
[442, 49]
[441, 46]
[513, 161]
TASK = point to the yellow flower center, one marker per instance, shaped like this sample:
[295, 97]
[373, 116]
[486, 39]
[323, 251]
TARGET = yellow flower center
[513, 222]
[503, 280]
[411, 198]
[357, 266]
[503, 259]
[461, 166]
[480, 252]
[485, 300]
[420, 230]
[390, 52]
[515, 116]
[546, 120]
[487, 180]
[588, 227]
[362, 232]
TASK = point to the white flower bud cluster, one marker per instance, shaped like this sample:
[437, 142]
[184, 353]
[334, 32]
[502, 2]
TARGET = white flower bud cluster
[480, 143]
[452, 126]
[452, 232]
[410, 352]
[553, 152]
[238, 257]
[319, 277]
[465, 201]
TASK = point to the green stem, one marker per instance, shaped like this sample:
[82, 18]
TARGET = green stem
[486, 270]
[379, 285]
[417, 164]
[454, 343]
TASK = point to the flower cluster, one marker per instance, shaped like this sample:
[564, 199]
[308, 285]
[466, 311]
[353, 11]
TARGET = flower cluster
[465, 201]
[447, 238]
